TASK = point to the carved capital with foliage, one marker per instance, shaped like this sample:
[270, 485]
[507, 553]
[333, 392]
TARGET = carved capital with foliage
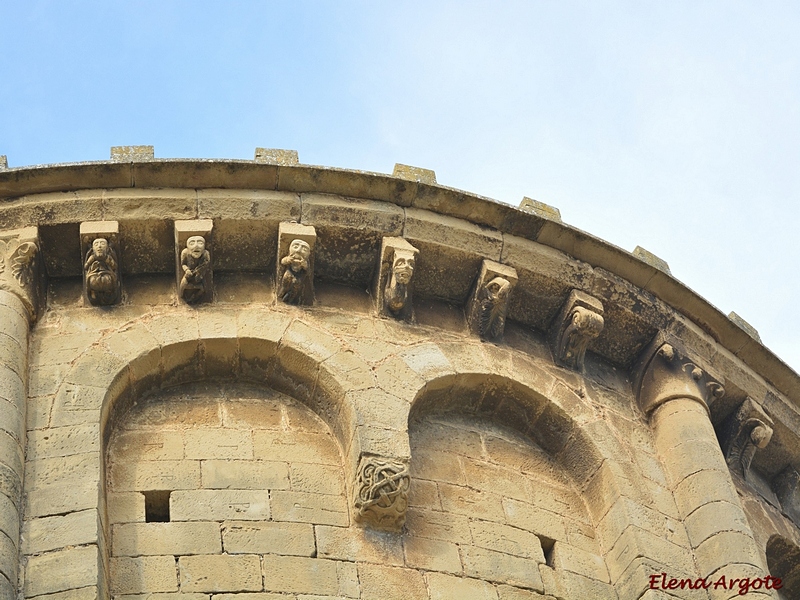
[667, 372]
[381, 492]
[20, 267]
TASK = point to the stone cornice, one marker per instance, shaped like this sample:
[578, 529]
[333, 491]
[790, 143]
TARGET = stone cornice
[243, 174]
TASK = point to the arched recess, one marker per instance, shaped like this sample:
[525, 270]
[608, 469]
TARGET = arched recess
[528, 455]
[272, 349]
[783, 560]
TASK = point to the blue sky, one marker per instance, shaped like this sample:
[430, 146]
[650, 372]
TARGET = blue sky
[670, 125]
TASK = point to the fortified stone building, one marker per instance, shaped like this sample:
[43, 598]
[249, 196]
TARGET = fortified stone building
[262, 380]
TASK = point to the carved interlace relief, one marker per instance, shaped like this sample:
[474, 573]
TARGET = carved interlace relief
[382, 492]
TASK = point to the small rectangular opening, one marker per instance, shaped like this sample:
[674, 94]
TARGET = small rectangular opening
[547, 548]
[156, 506]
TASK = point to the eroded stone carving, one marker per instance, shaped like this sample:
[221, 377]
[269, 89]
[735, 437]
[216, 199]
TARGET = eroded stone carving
[296, 263]
[295, 277]
[381, 492]
[666, 372]
[744, 432]
[19, 264]
[194, 268]
[489, 301]
[580, 321]
[395, 274]
[786, 486]
[195, 262]
[100, 273]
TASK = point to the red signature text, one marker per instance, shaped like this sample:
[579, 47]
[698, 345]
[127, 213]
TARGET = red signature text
[662, 581]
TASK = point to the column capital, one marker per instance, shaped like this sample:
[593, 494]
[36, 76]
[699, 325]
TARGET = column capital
[667, 371]
[21, 268]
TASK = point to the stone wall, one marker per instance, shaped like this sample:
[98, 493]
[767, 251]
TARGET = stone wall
[534, 416]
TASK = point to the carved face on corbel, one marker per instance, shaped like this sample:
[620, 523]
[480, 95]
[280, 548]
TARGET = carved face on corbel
[100, 247]
[299, 251]
[196, 245]
[403, 267]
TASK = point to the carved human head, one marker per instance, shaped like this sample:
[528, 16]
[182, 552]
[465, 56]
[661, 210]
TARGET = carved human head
[100, 246]
[196, 245]
[403, 266]
[299, 251]
[498, 287]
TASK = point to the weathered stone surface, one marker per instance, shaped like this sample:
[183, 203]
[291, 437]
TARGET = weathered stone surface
[516, 463]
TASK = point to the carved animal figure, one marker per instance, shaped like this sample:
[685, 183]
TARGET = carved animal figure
[396, 294]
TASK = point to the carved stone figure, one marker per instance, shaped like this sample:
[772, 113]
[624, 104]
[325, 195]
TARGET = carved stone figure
[580, 321]
[493, 307]
[488, 304]
[397, 293]
[19, 267]
[382, 492]
[747, 430]
[101, 273]
[195, 262]
[21, 257]
[296, 270]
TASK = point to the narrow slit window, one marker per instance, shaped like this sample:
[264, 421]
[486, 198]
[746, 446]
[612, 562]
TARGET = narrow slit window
[156, 506]
[547, 548]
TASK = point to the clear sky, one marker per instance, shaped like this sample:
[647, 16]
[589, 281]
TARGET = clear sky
[670, 125]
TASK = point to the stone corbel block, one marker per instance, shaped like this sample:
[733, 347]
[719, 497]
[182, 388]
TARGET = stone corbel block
[488, 303]
[193, 261]
[579, 322]
[748, 429]
[294, 282]
[21, 271]
[786, 486]
[393, 287]
[381, 492]
[102, 282]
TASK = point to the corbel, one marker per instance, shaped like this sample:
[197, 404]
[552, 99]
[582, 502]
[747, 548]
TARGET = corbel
[381, 492]
[786, 486]
[393, 287]
[579, 322]
[193, 267]
[102, 282]
[744, 432]
[294, 282]
[488, 303]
